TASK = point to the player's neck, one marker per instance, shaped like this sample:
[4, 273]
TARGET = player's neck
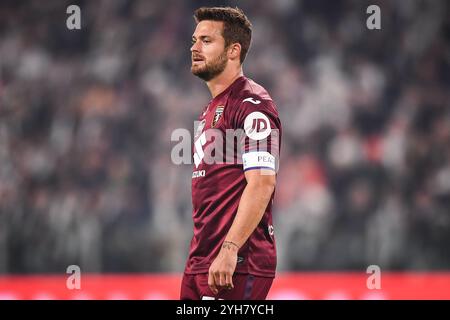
[220, 83]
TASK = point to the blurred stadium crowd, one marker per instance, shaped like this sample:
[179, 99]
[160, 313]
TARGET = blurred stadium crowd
[86, 118]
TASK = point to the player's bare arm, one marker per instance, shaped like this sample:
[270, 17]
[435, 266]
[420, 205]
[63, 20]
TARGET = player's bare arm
[253, 203]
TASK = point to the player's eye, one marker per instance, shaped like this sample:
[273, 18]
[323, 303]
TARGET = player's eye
[192, 41]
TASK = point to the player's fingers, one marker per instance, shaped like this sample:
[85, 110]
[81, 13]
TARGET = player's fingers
[222, 279]
[211, 283]
[229, 281]
[216, 276]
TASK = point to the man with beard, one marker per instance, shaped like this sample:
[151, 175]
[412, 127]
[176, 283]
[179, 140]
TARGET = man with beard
[232, 253]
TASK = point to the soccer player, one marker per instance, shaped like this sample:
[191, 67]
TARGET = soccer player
[232, 253]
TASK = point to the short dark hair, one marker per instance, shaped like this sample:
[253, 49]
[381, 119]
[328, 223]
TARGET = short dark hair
[236, 26]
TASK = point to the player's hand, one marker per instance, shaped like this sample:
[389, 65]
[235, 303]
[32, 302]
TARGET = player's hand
[221, 271]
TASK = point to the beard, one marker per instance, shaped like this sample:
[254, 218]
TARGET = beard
[209, 70]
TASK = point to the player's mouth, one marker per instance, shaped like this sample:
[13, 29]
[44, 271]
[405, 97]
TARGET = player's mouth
[197, 60]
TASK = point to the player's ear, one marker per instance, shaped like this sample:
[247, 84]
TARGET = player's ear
[234, 51]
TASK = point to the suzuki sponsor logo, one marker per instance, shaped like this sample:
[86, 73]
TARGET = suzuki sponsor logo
[198, 174]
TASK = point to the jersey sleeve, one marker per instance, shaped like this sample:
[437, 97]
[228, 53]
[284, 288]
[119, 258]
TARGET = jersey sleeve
[260, 127]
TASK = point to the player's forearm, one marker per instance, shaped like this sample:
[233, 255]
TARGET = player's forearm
[252, 206]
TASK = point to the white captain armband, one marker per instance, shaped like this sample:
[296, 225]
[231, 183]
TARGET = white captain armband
[258, 160]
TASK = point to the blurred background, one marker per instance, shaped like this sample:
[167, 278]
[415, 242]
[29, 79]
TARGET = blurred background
[86, 118]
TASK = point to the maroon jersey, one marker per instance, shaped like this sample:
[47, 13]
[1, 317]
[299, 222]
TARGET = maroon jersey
[246, 110]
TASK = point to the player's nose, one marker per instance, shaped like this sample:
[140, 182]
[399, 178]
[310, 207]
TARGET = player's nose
[195, 46]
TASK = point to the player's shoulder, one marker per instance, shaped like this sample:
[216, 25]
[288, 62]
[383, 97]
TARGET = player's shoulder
[250, 94]
[249, 100]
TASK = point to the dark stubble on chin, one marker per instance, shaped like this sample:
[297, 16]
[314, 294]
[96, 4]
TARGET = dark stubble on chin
[211, 69]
